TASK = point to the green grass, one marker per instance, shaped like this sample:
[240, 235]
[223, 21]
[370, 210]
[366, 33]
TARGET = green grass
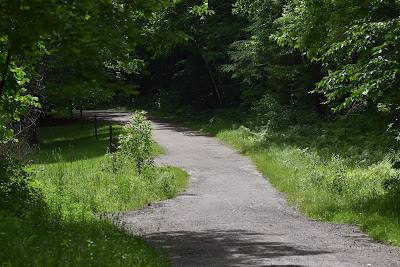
[78, 185]
[341, 171]
[68, 143]
[82, 242]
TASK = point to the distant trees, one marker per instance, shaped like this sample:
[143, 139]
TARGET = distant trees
[191, 75]
[262, 67]
[232, 61]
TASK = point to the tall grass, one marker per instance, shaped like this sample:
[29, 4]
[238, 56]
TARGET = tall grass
[92, 185]
[78, 186]
[47, 240]
[341, 170]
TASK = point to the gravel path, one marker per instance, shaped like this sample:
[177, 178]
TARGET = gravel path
[231, 215]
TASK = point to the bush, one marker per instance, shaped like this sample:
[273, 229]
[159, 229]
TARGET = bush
[269, 113]
[16, 193]
[135, 142]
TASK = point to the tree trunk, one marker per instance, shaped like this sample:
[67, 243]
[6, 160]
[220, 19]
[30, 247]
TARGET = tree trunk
[4, 74]
[81, 112]
[211, 74]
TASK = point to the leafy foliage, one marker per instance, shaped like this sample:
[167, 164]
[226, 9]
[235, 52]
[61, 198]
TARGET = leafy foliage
[357, 42]
[365, 65]
[17, 195]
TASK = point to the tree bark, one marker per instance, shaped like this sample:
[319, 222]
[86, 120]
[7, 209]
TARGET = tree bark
[211, 75]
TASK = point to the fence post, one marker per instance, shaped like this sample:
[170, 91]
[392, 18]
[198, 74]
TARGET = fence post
[114, 144]
[70, 109]
[81, 118]
[111, 137]
[95, 127]
[114, 154]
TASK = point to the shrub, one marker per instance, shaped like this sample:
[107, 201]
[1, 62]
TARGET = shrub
[268, 113]
[135, 142]
[16, 193]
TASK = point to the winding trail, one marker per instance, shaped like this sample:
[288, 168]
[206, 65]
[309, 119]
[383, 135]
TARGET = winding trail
[230, 215]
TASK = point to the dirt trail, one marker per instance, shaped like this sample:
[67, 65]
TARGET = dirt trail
[231, 215]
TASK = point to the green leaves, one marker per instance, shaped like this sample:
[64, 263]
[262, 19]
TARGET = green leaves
[201, 10]
[366, 64]
[357, 43]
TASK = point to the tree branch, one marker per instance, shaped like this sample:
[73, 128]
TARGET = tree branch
[210, 72]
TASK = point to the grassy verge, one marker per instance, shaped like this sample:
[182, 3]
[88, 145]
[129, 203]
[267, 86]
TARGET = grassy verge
[341, 171]
[76, 184]
[53, 241]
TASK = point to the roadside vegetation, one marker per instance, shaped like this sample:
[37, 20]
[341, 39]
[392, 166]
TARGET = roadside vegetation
[335, 170]
[58, 212]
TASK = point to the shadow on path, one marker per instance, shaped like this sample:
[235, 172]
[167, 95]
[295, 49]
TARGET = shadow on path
[165, 125]
[224, 248]
[122, 117]
[111, 116]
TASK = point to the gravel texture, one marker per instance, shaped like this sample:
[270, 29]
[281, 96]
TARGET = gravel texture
[230, 215]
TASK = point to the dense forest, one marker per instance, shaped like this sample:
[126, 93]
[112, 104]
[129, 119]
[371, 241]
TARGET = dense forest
[307, 56]
[317, 79]
[302, 57]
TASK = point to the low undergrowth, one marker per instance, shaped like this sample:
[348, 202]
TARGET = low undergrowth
[76, 183]
[341, 170]
[94, 185]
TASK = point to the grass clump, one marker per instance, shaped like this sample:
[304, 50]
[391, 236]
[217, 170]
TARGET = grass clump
[98, 186]
[71, 187]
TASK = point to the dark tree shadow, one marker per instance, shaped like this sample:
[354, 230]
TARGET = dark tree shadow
[167, 125]
[223, 248]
